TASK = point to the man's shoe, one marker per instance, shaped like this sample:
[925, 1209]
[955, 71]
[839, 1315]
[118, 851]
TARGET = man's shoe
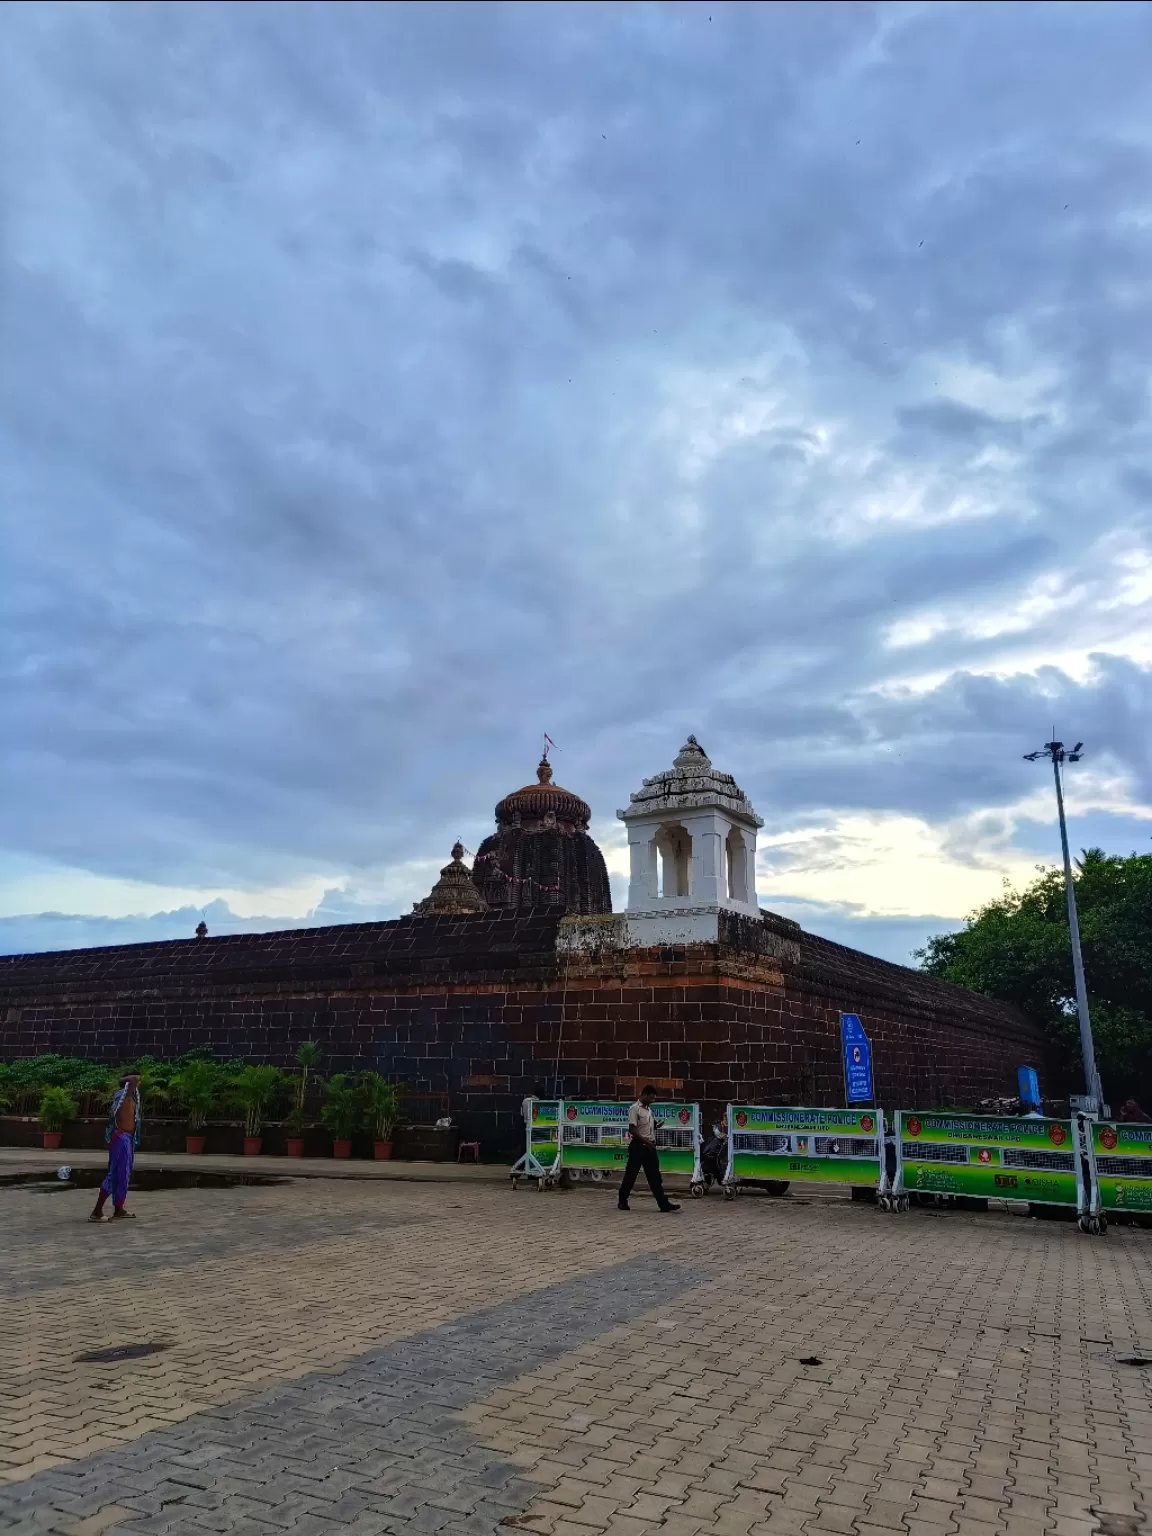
[620, 1207]
[669, 1207]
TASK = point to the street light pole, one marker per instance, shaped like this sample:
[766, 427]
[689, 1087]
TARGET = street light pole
[1054, 751]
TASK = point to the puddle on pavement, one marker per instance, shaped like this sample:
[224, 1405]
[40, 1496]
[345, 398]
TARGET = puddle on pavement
[145, 1179]
[118, 1352]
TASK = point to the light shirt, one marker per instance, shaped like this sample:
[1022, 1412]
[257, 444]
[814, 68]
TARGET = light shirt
[642, 1122]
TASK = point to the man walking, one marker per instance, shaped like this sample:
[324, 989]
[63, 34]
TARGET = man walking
[122, 1134]
[642, 1128]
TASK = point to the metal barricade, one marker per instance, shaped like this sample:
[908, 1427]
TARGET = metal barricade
[541, 1159]
[1043, 1161]
[770, 1144]
[594, 1139]
[1121, 1158]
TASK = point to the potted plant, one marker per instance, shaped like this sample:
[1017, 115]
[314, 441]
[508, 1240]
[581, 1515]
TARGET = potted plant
[294, 1139]
[381, 1110]
[250, 1090]
[196, 1085]
[343, 1112]
[308, 1059]
[57, 1108]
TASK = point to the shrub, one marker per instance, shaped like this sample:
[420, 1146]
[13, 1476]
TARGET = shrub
[381, 1105]
[57, 1108]
[196, 1086]
[155, 1090]
[251, 1090]
[343, 1111]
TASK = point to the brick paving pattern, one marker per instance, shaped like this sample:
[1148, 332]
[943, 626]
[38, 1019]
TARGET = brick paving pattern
[396, 1358]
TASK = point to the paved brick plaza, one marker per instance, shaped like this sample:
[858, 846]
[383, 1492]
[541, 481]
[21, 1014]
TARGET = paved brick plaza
[388, 1357]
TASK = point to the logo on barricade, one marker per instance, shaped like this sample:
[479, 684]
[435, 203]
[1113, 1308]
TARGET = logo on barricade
[1107, 1137]
[1057, 1135]
[912, 1125]
[867, 1123]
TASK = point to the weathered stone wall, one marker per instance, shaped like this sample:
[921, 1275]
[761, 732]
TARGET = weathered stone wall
[486, 1008]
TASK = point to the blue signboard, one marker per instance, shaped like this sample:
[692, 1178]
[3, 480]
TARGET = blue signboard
[1028, 1087]
[857, 1060]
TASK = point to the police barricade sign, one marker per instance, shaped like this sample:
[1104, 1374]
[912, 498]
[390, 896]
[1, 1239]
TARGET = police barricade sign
[594, 1138]
[767, 1144]
[1122, 1158]
[988, 1158]
[541, 1159]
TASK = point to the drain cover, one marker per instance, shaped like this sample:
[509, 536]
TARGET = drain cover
[811, 1360]
[1133, 1359]
[123, 1352]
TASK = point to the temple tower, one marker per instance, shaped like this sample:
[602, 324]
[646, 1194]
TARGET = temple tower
[541, 854]
[691, 840]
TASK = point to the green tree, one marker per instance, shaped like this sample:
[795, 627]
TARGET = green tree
[1017, 948]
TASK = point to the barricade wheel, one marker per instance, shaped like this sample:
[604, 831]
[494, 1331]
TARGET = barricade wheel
[1103, 1224]
[697, 1191]
[884, 1203]
[515, 1177]
[729, 1191]
[540, 1184]
[596, 1175]
[903, 1203]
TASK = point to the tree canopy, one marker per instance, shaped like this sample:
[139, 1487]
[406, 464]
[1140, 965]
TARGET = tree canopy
[1017, 948]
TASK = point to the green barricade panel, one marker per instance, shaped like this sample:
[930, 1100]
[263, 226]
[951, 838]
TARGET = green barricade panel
[542, 1141]
[1010, 1159]
[830, 1146]
[545, 1120]
[595, 1135]
[1123, 1157]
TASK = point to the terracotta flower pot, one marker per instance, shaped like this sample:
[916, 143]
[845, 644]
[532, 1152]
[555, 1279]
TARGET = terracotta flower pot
[294, 1146]
[383, 1150]
[52, 1140]
[195, 1144]
[341, 1149]
[252, 1145]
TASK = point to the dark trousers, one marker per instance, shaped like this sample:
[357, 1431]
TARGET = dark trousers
[640, 1155]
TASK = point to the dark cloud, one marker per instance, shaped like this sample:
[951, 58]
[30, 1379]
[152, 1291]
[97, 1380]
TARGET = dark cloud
[382, 385]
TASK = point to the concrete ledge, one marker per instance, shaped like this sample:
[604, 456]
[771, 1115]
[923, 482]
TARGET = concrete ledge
[18, 1163]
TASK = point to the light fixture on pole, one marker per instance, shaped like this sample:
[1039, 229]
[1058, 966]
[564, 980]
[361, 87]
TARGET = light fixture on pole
[1054, 751]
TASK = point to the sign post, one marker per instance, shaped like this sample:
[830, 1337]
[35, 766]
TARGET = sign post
[1028, 1088]
[856, 1050]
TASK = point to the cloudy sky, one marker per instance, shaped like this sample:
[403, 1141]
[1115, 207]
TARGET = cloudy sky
[382, 386]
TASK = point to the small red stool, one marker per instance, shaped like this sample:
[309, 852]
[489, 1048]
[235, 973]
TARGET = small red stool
[468, 1146]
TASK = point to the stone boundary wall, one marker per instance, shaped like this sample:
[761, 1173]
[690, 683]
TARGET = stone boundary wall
[485, 1009]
